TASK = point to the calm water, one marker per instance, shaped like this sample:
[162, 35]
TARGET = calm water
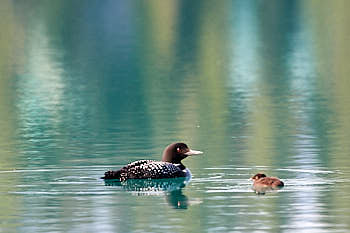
[259, 86]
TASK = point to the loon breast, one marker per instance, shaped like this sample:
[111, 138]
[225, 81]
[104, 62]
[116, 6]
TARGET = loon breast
[147, 169]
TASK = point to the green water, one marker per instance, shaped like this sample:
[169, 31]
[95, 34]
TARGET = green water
[259, 86]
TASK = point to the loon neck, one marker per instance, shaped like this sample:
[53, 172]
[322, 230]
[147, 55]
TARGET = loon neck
[181, 166]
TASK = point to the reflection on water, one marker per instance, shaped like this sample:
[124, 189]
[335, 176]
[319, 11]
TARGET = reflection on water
[263, 190]
[90, 86]
[171, 188]
[148, 186]
[177, 199]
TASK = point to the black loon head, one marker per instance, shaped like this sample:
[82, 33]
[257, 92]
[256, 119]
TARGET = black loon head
[258, 176]
[176, 152]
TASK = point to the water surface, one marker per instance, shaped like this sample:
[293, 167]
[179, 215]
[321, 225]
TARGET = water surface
[259, 86]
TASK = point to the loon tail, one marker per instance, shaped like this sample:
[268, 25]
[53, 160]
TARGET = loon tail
[111, 175]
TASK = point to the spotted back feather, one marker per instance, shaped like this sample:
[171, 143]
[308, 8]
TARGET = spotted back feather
[146, 169]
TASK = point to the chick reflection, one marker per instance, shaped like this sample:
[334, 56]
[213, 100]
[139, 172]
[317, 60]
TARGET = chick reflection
[263, 190]
[171, 188]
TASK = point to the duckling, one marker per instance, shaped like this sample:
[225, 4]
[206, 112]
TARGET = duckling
[264, 181]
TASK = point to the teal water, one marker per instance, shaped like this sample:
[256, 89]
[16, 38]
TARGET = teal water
[259, 86]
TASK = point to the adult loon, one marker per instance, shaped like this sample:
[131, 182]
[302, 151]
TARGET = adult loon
[261, 180]
[169, 167]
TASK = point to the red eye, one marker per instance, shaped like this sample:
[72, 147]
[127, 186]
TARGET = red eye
[178, 150]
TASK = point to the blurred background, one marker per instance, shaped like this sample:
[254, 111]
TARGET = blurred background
[87, 86]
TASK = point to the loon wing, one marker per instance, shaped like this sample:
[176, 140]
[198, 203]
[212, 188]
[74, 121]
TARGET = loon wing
[151, 170]
[146, 169]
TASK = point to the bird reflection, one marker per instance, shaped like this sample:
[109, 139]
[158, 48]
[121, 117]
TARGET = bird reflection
[177, 199]
[260, 190]
[171, 188]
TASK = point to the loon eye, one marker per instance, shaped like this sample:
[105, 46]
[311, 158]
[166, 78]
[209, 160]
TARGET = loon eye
[178, 150]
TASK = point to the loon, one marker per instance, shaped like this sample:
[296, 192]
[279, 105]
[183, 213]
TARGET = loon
[261, 180]
[169, 167]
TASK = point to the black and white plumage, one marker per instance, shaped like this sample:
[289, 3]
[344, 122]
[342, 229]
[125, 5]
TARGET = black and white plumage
[146, 169]
[169, 167]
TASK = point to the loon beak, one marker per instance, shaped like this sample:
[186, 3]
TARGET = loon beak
[193, 152]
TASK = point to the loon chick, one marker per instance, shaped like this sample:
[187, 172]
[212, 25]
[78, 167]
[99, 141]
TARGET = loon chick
[261, 180]
[169, 167]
